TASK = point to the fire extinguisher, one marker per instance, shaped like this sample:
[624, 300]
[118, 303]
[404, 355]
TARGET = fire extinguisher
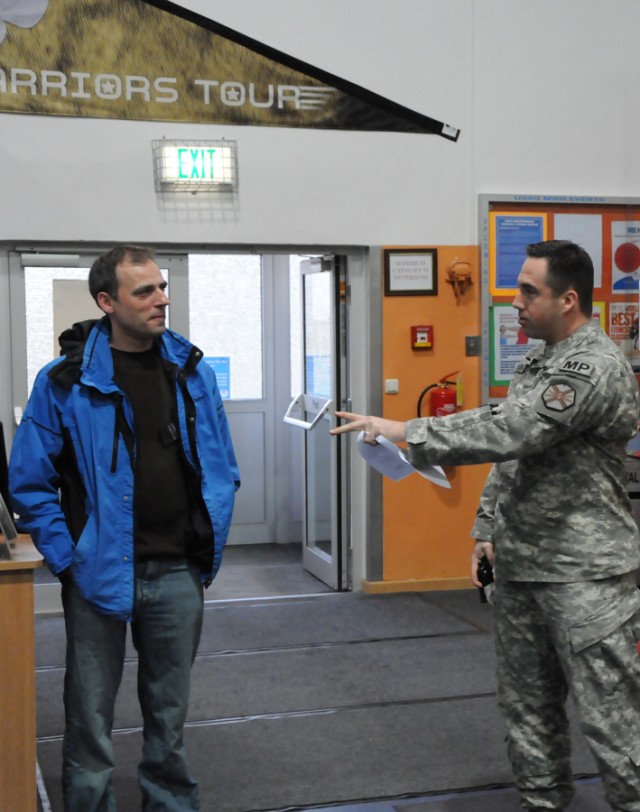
[445, 397]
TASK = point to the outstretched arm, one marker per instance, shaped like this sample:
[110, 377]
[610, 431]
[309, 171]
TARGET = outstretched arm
[373, 427]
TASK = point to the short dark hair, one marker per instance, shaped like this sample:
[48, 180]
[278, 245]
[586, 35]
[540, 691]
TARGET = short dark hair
[102, 276]
[569, 266]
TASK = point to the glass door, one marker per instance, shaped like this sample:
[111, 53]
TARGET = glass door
[230, 320]
[324, 519]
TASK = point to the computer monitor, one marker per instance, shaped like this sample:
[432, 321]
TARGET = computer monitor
[8, 529]
[4, 472]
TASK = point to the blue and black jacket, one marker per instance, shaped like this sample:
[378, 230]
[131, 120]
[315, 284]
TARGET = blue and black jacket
[71, 470]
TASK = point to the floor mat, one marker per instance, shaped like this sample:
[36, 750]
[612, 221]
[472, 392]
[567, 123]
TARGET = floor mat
[329, 756]
[322, 700]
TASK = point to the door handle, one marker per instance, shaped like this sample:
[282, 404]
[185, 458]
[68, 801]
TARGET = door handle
[306, 403]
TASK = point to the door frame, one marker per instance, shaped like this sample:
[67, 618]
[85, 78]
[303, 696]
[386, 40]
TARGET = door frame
[332, 567]
[364, 351]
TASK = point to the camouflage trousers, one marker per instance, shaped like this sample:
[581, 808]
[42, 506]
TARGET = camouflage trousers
[552, 638]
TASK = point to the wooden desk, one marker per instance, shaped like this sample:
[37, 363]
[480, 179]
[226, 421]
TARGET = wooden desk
[18, 679]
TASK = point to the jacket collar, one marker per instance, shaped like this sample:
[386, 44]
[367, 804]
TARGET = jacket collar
[88, 355]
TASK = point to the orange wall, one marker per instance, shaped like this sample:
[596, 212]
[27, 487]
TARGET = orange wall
[426, 528]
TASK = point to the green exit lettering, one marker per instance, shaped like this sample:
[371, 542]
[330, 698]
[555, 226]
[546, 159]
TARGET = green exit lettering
[195, 163]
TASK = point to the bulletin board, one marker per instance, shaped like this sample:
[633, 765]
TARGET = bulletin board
[607, 228]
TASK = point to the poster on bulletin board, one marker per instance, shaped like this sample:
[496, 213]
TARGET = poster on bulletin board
[625, 256]
[510, 233]
[509, 344]
[623, 330]
[599, 314]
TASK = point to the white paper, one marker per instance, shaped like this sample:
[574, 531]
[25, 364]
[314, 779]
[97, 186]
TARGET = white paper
[389, 460]
[433, 473]
[385, 457]
[586, 230]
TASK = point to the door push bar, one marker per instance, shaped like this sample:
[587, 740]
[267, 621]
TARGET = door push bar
[307, 403]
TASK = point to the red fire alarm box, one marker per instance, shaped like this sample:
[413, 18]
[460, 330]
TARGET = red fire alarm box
[422, 337]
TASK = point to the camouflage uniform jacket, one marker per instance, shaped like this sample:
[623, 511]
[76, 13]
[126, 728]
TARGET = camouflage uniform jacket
[555, 504]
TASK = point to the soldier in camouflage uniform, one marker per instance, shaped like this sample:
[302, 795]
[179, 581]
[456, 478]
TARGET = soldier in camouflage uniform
[556, 510]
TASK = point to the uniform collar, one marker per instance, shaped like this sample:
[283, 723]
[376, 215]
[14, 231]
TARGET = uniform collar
[571, 342]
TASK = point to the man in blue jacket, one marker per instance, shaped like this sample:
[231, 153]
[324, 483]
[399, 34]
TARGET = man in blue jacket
[123, 472]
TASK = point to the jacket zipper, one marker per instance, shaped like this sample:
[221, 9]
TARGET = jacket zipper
[121, 427]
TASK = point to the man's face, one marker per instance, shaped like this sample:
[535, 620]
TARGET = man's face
[540, 310]
[138, 315]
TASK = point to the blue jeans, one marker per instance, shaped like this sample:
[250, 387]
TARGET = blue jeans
[166, 627]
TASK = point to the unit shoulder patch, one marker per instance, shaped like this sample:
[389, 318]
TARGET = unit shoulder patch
[579, 367]
[561, 397]
[558, 397]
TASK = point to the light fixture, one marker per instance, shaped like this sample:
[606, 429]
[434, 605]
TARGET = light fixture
[195, 166]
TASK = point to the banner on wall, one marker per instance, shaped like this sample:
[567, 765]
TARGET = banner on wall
[153, 60]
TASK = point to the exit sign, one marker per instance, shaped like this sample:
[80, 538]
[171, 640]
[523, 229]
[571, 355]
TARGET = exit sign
[195, 166]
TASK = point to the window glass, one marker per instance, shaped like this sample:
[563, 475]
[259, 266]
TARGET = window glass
[55, 298]
[317, 334]
[225, 320]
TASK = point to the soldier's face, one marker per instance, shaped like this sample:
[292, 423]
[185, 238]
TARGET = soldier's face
[540, 310]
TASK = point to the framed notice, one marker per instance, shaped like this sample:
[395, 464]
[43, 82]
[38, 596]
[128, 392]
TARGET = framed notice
[410, 272]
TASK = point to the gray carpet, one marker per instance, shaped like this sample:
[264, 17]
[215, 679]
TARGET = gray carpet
[322, 700]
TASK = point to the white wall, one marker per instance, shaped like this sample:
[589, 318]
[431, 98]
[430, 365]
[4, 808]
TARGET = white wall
[92, 179]
[555, 97]
[545, 93]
